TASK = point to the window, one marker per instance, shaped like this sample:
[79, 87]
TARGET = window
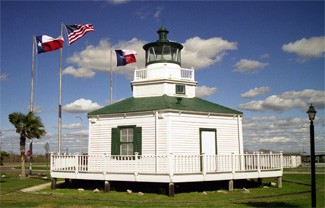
[180, 89]
[126, 140]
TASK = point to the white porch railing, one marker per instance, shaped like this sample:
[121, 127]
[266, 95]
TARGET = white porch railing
[183, 74]
[166, 164]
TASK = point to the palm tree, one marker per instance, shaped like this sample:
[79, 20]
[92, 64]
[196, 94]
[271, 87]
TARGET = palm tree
[28, 126]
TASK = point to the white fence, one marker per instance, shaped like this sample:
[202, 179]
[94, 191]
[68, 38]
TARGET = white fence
[291, 161]
[166, 164]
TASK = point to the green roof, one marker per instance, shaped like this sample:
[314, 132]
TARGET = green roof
[163, 103]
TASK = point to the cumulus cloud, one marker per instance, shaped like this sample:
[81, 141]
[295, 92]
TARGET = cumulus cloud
[247, 66]
[80, 106]
[287, 100]
[306, 48]
[81, 72]
[200, 53]
[97, 59]
[255, 92]
[197, 52]
[281, 134]
[277, 134]
[204, 91]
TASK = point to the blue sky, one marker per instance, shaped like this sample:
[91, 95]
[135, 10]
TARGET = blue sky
[264, 58]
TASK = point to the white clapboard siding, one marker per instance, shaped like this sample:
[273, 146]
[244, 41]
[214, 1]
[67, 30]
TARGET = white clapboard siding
[100, 133]
[182, 130]
[185, 133]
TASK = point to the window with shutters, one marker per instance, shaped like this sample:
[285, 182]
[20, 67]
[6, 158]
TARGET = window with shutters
[126, 140]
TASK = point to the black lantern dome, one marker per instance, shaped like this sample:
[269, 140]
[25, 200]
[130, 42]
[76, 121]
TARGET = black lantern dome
[163, 51]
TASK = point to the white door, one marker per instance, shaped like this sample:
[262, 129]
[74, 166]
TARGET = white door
[208, 142]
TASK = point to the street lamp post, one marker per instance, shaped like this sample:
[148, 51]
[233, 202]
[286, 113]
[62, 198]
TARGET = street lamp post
[311, 114]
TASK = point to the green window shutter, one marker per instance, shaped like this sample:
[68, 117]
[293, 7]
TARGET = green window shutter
[115, 150]
[137, 143]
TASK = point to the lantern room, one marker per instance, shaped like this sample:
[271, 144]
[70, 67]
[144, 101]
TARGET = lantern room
[163, 51]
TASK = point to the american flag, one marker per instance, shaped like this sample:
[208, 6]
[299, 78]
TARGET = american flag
[77, 31]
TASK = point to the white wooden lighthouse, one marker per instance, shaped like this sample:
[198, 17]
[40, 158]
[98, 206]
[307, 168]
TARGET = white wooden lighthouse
[163, 74]
[164, 133]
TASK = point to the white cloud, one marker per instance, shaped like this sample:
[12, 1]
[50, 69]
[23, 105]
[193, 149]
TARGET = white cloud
[252, 106]
[288, 100]
[97, 59]
[255, 92]
[246, 65]
[116, 2]
[158, 12]
[277, 134]
[313, 47]
[265, 56]
[200, 53]
[77, 134]
[72, 126]
[197, 52]
[149, 12]
[276, 139]
[81, 72]
[3, 77]
[80, 106]
[204, 91]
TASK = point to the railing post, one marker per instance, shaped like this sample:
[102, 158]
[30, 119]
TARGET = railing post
[281, 161]
[76, 164]
[258, 164]
[204, 168]
[193, 78]
[170, 165]
[136, 171]
[233, 161]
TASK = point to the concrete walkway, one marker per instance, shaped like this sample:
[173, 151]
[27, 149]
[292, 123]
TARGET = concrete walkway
[39, 187]
[36, 188]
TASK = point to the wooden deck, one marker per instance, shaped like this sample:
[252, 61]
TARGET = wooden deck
[173, 168]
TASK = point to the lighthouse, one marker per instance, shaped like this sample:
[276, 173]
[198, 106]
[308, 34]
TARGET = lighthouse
[164, 133]
[163, 74]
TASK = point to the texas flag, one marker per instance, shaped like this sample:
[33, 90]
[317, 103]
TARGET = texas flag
[46, 43]
[125, 57]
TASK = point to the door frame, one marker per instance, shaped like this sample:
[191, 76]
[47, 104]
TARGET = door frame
[215, 137]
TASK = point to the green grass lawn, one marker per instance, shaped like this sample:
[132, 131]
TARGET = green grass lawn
[295, 193]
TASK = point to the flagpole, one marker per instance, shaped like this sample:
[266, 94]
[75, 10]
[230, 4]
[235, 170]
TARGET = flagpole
[60, 100]
[31, 102]
[110, 77]
[32, 76]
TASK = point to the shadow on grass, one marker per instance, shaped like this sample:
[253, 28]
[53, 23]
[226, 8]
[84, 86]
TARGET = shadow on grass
[269, 204]
[295, 182]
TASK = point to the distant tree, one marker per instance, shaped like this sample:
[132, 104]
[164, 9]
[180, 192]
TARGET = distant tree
[247, 151]
[27, 126]
[3, 154]
[265, 150]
